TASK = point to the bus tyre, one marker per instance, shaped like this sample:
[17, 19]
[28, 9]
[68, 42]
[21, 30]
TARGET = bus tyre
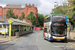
[50, 41]
[65, 41]
[44, 38]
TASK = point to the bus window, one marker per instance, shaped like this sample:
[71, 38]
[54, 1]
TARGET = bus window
[45, 29]
[59, 18]
[47, 19]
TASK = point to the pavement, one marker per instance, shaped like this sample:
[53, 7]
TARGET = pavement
[72, 35]
[7, 39]
[71, 38]
[71, 42]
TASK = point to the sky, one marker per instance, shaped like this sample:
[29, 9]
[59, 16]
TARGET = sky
[44, 6]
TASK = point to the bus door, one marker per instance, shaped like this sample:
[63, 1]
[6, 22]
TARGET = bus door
[46, 26]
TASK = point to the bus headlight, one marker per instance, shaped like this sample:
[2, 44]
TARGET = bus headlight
[58, 24]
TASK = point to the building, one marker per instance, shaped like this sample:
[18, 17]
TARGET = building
[11, 26]
[17, 9]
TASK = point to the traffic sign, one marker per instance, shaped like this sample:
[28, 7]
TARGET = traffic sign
[10, 21]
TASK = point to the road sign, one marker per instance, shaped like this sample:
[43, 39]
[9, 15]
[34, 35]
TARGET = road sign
[10, 21]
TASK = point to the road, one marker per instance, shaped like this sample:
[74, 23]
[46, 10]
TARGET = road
[34, 41]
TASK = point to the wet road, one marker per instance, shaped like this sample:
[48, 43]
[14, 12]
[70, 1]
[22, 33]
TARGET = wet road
[34, 41]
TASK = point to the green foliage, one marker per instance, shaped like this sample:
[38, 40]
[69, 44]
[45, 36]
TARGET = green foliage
[60, 9]
[46, 15]
[32, 18]
[16, 16]
[41, 19]
[73, 2]
[71, 9]
[37, 23]
[10, 14]
[22, 15]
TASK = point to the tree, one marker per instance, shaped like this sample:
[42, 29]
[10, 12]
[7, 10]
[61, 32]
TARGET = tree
[46, 15]
[71, 11]
[41, 19]
[62, 9]
[10, 14]
[16, 16]
[31, 17]
[37, 23]
[22, 15]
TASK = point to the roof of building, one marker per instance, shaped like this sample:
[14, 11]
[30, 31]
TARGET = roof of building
[26, 20]
[3, 20]
[13, 6]
[17, 22]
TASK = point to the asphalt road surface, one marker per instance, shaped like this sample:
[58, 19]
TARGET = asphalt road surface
[34, 41]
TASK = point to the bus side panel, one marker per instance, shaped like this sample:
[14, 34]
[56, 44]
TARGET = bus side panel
[43, 31]
[46, 30]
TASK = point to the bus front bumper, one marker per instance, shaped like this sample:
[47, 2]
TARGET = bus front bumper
[58, 38]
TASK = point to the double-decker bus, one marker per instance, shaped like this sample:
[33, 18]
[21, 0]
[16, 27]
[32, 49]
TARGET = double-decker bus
[55, 28]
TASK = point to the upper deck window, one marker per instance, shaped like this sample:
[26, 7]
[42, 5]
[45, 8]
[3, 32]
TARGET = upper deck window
[58, 18]
[47, 19]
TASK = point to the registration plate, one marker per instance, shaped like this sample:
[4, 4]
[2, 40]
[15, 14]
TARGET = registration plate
[58, 40]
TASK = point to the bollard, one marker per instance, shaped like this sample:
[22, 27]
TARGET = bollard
[17, 34]
[68, 33]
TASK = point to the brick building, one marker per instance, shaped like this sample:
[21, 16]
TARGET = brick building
[17, 9]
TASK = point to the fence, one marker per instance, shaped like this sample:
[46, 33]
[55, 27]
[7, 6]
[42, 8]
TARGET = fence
[37, 28]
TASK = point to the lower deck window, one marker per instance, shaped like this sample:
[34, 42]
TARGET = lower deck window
[45, 29]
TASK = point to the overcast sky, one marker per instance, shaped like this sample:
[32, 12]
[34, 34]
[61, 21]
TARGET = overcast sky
[44, 6]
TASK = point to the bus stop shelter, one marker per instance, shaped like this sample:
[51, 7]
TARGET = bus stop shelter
[16, 25]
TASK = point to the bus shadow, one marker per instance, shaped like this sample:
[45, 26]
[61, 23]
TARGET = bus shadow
[71, 40]
[68, 40]
[58, 42]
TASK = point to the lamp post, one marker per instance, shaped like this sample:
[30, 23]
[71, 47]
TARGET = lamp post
[56, 4]
[59, 4]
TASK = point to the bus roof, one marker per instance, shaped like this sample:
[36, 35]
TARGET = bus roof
[57, 14]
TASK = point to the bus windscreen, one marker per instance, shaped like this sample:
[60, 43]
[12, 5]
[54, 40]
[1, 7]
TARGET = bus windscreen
[58, 18]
